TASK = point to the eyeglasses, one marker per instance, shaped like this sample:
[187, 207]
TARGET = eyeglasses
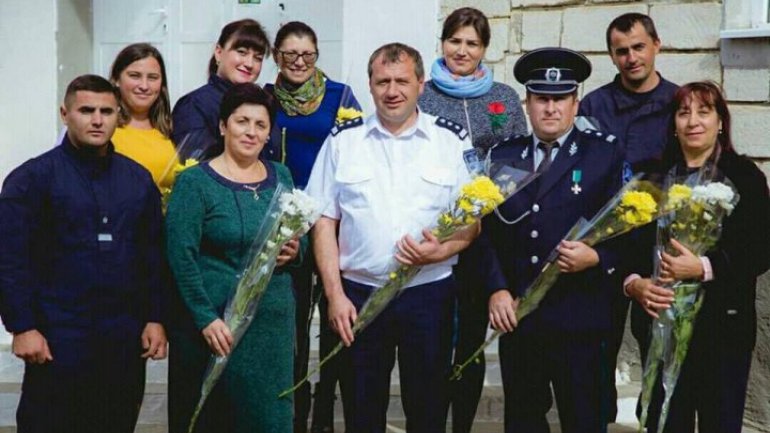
[291, 57]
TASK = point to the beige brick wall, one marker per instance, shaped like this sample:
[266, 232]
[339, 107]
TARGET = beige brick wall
[689, 31]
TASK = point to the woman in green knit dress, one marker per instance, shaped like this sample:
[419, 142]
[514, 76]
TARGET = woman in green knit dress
[213, 215]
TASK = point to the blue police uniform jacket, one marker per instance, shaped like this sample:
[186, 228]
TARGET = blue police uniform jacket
[196, 119]
[641, 121]
[547, 209]
[81, 246]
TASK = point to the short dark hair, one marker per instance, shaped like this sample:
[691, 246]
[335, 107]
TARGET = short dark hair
[245, 93]
[88, 83]
[296, 28]
[160, 112]
[467, 17]
[245, 33]
[624, 23]
[710, 93]
[392, 52]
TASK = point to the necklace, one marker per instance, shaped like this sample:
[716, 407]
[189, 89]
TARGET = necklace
[254, 189]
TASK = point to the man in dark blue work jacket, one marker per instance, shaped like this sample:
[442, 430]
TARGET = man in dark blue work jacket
[635, 107]
[80, 262]
[559, 345]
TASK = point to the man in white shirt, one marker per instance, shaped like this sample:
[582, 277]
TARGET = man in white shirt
[384, 180]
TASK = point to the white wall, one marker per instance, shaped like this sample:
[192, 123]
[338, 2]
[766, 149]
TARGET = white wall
[367, 25]
[28, 106]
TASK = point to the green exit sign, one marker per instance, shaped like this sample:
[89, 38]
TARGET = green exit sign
[249, 2]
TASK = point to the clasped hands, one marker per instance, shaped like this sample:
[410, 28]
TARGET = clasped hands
[651, 295]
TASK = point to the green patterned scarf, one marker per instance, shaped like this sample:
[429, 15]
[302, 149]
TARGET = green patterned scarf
[302, 100]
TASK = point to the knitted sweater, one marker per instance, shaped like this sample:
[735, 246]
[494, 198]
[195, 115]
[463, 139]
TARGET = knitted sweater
[473, 113]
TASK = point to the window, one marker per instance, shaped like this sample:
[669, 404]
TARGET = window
[746, 19]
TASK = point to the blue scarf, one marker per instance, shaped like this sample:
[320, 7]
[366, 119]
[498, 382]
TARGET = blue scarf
[471, 86]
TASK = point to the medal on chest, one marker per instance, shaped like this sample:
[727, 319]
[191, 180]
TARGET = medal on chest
[577, 176]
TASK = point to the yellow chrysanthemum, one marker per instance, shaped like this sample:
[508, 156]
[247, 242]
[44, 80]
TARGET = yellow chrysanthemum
[637, 207]
[677, 195]
[484, 192]
[445, 219]
[344, 114]
[190, 162]
[465, 204]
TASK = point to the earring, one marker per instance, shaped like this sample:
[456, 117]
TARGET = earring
[720, 131]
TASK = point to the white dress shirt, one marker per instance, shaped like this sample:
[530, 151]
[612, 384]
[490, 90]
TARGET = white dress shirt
[381, 187]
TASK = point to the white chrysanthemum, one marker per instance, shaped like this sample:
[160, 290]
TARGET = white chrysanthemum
[299, 203]
[715, 193]
[286, 232]
[270, 245]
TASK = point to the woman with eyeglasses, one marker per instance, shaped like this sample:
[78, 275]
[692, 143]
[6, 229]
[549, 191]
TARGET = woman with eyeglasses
[309, 106]
[237, 58]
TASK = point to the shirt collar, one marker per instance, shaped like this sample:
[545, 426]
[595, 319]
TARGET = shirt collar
[87, 158]
[625, 99]
[560, 140]
[421, 126]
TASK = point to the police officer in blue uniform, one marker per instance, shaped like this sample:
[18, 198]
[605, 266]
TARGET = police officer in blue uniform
[560, 344]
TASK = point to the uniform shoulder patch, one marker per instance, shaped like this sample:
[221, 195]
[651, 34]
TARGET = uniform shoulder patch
[455, 127]
[609, 138]
[352, 123]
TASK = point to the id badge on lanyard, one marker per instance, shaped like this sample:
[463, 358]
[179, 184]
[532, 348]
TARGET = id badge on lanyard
[104, 236]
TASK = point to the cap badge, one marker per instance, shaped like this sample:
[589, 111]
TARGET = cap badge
[552, 75]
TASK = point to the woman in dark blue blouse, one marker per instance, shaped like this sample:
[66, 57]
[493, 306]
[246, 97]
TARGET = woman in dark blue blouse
[237, 58]
[309, 105]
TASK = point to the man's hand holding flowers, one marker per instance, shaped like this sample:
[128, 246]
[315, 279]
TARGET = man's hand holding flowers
[431, 249]
[575, 256]
[502, 311]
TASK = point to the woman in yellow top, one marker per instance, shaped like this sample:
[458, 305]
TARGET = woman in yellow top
[144, 125]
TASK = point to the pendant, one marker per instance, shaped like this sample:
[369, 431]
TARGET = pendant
[254, 190]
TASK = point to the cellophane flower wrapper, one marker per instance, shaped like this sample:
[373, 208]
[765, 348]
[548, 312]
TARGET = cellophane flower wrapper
[488, 189]
[699, 204]
[639, 202]
[177, 165]
[290, 214]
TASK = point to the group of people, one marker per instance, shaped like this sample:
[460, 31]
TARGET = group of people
[95, 279]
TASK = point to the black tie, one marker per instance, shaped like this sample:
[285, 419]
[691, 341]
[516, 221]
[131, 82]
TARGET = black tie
[546, 148]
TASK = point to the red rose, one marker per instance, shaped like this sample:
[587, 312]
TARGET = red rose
[496, 107]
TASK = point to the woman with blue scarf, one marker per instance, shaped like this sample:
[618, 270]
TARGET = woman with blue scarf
[462, 89]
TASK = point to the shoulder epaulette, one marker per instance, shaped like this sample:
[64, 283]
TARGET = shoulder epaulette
[352, 123]
[455, 127]
[609, 138]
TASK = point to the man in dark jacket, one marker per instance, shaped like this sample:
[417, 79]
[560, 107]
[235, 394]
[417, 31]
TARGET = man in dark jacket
[80, 262]
[559, 344]
[635, 107]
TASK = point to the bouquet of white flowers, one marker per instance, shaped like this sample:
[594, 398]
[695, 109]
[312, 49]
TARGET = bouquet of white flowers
[289, 215]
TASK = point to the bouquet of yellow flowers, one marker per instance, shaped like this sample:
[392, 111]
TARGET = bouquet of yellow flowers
[477, 198]
[635, 205]
[174, 168]
[289, 215]
[698, 209]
